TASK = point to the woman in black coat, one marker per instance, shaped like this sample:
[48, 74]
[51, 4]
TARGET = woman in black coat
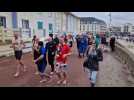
[112, 43]
[94, 55]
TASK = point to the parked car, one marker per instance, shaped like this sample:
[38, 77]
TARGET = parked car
[126, 38]
[131, 39]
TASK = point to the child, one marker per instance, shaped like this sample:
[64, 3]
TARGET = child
[63, 51]
[41, 62]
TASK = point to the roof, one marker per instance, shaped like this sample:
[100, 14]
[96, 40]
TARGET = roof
[72, 14]
[92, 20]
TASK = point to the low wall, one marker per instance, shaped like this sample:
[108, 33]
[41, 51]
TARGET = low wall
[7, 51]
[125, 56]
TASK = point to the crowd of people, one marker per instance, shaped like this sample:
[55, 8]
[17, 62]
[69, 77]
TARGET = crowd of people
[54, 51]
[93, 47]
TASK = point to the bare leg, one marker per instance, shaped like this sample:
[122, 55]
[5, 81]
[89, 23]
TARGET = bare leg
[42, 78]
[24, 67]
[18, 69]
[59, 75]
[46, 75]
[36, 70]
[60, 78]
[65, 78]
[65, 75]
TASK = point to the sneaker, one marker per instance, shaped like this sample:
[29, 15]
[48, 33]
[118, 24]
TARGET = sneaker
[92, 85]
[16, 75]
[64, 82]
[43, 80]
[59, 82]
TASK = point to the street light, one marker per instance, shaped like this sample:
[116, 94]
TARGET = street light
[95, 26]
[110, 20]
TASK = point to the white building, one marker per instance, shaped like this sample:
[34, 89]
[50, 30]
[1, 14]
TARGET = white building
[40, 23]
[30, 23]
[6, 19]
[93, 25]
[67, 22]
[127, 27]
[73, 23]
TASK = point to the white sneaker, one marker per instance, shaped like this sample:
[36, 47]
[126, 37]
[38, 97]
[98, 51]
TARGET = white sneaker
[43, 80]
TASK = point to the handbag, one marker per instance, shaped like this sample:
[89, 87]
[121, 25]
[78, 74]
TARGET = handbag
[85, 64]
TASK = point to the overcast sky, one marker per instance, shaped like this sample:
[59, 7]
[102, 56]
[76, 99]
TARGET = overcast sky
[118, 18]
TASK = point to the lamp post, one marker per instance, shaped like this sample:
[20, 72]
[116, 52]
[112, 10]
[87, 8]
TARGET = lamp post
[94, 23]
[110, 20]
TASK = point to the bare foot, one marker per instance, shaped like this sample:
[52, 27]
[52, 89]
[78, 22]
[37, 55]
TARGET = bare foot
[59, 82]
[37, 73]
[16, 74]
[64, 82]
[43, 80]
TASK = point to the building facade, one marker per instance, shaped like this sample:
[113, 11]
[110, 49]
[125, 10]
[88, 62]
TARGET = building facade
[93, 25]
[128, 28]
[39, 23]
[66, 22]
[116, 29]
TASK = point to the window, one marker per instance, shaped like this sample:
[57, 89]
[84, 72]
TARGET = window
[57, 14]
[3, 22]
[40, 25]
[83, 27]
[25, 24]
[50, 27]
[87, 27]
[81, 22]
[49, 14]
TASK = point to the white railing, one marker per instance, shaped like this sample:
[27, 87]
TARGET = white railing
[7, 34]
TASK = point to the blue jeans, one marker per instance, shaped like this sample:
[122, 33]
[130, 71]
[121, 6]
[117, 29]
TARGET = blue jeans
[92, 75]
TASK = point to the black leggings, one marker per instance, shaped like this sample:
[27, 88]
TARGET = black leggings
[51, 62]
